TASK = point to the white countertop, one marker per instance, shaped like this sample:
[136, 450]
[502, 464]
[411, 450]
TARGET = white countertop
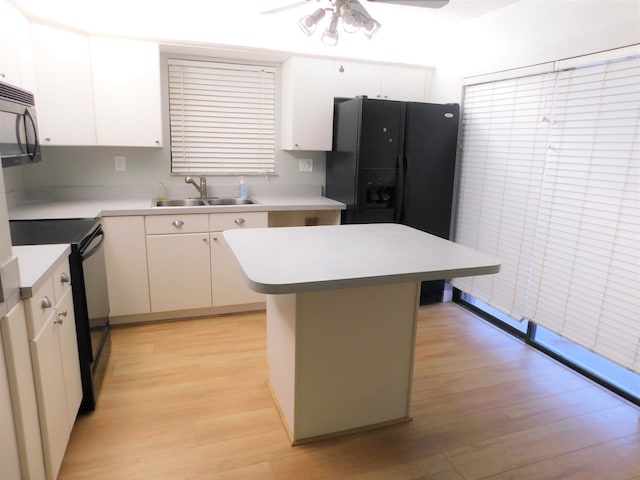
[36, 263]
[143, 206]
[299, 259]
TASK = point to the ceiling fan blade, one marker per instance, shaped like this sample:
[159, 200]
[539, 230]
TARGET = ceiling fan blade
[286, 7]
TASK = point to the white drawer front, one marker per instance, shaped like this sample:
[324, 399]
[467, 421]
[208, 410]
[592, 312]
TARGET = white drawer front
[227, 221]
[168, 224]
[39, 307]
[61, 279]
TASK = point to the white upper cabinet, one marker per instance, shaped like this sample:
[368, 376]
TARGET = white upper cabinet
[126, 84]
[307, 104]
[353, 79]
[389, 82]
[64, 86]
[16, 63]
[96, 91]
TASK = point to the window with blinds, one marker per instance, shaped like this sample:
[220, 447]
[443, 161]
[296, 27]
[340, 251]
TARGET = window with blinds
[550, 184]
[222, 118]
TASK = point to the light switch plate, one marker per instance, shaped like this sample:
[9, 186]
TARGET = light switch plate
[305, 165]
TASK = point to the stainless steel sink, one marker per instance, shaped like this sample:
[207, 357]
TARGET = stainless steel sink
[203, 202]
[181, 202]
[230, 201]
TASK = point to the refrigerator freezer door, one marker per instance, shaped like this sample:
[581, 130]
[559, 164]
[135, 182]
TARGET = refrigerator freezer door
[431, 135]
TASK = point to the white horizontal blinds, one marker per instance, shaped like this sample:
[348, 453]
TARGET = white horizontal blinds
[222, 118]
[586, 265]
[505, 129]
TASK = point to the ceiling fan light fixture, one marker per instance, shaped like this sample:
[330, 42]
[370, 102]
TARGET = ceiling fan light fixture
[371, 27]
[330, 35]
[351, 20]
[309, 23]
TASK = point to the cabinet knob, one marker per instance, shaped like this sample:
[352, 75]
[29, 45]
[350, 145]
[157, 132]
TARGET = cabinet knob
[47, 139]
[64, 278]
[177, 223]
[239, 221]
[205, 239]
[61, 316]
[46, 303]
[157, 142]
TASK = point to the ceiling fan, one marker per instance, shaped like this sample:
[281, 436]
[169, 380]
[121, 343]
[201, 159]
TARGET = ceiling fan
[351, 13]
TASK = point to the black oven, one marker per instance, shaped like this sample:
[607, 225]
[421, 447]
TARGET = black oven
[89, 288]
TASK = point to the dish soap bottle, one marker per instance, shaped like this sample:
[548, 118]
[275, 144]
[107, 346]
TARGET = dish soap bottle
[162, 191]
[242, 189]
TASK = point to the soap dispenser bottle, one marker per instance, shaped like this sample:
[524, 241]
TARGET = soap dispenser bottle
[242, 189]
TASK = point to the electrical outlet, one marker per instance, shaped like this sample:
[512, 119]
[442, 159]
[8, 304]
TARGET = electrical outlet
[121, 164]
[305, 165]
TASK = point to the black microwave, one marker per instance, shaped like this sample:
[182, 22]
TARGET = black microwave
[19, 143]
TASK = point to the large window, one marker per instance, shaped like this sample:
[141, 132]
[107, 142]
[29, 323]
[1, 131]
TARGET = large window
[222, 118]
[550, 184]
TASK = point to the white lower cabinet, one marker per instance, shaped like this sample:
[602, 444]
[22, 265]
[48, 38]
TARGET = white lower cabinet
[228, 285]
[54, 353]
[15, 341]
[179, 257]
[179, 275]
[126, 261]
[171, 262]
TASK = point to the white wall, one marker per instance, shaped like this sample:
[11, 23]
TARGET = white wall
[519, 34]
[529, 32]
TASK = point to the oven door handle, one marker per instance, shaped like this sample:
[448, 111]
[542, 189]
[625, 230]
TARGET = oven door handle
[88, 253]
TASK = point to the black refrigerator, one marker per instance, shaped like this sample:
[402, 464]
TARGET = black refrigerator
[395, 162]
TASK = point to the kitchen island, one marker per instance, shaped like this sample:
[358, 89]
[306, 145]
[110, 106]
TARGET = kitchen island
[342, 304]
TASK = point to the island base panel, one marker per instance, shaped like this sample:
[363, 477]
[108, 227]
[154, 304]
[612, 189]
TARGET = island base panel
[342, 360]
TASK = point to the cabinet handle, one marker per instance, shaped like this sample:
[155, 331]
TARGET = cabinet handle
[46, 303]
[239, 221]
[205, 240]
[177, 223]
[64, 278]
[61, 317]
[215, 239]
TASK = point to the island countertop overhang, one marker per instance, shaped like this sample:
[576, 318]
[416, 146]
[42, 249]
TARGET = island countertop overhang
[305, 259]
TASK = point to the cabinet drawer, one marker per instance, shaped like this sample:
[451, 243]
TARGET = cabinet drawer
[161, 224]
[61, 280]
[227, 221]
[39, 307]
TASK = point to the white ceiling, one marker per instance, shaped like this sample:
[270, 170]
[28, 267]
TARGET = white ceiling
[408, 33]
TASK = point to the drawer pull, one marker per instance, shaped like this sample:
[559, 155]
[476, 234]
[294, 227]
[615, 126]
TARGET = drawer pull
[64, 278]
[177, 223]
[239, 221]
[46, 303]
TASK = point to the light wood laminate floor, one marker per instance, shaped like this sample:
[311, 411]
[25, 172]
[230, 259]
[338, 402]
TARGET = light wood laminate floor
[187, 400]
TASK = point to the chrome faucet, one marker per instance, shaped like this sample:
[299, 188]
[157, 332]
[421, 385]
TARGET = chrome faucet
[202, 188]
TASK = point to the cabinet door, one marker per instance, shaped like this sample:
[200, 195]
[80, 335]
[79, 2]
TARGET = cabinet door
[228, 284]
[64, 86]
[404, 83]
[179, 271]
[9, 458]
[66, 330]
[307, 104]
[23, 392]
[353, 79]
[126, 261]
[50, 389]
[126, 76]
[16, 63]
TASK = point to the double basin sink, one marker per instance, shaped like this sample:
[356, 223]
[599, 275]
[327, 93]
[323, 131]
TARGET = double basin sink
[204, 202]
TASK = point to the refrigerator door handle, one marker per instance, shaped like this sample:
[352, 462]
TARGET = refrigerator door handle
[400, 183]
